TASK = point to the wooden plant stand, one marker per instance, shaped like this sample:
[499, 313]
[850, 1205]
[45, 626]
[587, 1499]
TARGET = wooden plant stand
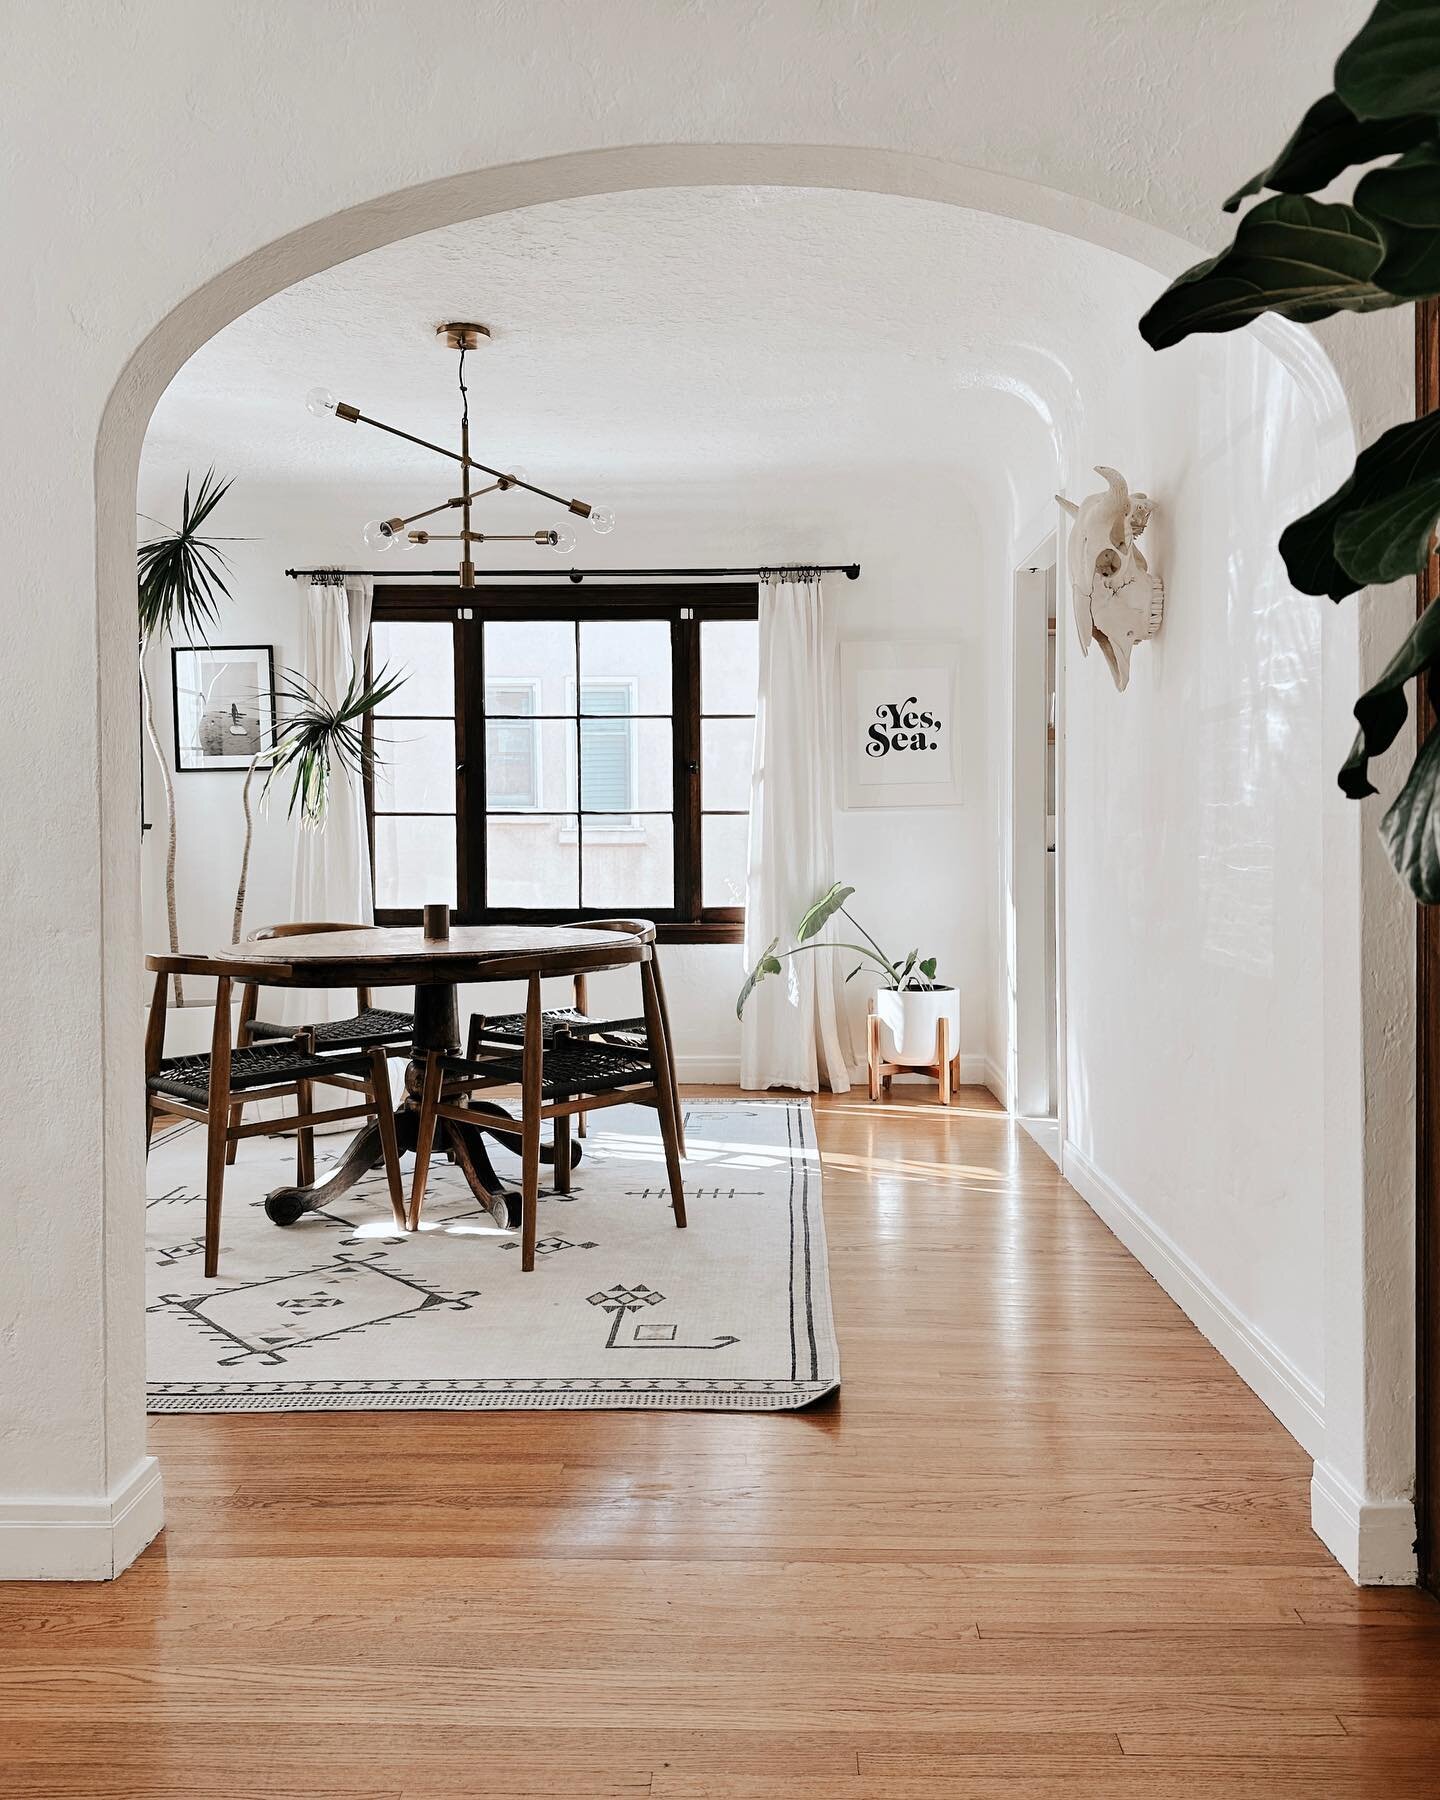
[945, 1068]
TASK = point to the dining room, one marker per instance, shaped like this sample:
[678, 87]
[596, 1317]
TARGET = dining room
[474, 656]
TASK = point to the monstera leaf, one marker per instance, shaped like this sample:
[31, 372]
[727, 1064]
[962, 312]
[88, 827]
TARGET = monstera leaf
[1292, 255]
[1327, 141]
[1392, 65]
[1376, 526]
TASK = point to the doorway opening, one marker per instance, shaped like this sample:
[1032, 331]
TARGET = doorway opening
[1036, 1086]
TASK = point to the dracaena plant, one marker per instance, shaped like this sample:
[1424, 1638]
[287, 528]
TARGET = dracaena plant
[1306, 259]
[314, 738]
[910, 971]
[180, 577]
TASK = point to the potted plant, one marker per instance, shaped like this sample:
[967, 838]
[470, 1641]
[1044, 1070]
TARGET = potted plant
[909, 1002]
[308, 742]
[1305, 259]
[180, 577]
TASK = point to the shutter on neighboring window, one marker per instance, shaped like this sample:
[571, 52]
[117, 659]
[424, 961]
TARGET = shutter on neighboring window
[605, 765]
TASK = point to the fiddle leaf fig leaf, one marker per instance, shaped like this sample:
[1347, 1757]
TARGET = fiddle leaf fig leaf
[1410, 829]
[1391, 66]
[822, 911]
[1391, 539]
[768, 964]
[1389, 477]
[1298, 257]
[1326, 142]
[1381, 710]
[1404, 200]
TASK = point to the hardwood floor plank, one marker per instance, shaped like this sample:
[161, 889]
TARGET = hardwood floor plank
[1043, 1542]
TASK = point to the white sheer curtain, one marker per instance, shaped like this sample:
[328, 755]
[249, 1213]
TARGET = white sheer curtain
[330, 877]
[794, 1032]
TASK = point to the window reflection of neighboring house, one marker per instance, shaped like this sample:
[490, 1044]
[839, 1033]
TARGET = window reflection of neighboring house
[512, 746]
[608, 774]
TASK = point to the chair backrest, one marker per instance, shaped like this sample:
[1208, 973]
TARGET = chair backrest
[644, 929]
[250, 992]
[301, 928]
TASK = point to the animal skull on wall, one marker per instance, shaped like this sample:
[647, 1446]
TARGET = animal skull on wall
[1118, 602]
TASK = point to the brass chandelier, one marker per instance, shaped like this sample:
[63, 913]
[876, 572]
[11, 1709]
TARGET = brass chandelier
[383, 534]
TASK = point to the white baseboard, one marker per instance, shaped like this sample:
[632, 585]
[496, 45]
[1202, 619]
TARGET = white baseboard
[709, 1071]
[82, 1540]
[993, 1077]
[725, 1070]
[1372, 1540]
[1293, 1398]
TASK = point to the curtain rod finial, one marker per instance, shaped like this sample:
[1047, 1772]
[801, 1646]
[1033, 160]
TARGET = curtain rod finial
[852, 571]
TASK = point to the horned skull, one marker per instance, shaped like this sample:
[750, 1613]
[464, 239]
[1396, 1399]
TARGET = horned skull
[1118, 602]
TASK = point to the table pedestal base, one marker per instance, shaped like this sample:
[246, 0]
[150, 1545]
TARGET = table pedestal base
[436, 1027]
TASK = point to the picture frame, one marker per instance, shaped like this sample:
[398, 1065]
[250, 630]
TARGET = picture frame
[899, 722]
[223, 701]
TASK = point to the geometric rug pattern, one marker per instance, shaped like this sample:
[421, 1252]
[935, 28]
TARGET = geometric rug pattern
[340, 1312]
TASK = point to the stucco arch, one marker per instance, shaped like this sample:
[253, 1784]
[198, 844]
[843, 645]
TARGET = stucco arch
[385, 219]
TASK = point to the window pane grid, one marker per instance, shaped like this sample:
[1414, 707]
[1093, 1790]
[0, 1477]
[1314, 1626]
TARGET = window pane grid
[593, 813]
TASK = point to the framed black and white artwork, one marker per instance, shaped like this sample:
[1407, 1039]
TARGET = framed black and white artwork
[899, 722]
[224, 698]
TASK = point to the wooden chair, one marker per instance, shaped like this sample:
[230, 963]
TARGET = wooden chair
[628, 1033]
[563, 1073]
[205, 1088]
[369, 1025]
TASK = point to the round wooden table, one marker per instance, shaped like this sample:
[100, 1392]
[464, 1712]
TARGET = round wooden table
[383, 956]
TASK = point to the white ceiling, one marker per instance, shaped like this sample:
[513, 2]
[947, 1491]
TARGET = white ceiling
[673, 335]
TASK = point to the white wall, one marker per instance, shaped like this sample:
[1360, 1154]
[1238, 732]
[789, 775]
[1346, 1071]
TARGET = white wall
[918, 540]
[144, 226]
[1193, 861]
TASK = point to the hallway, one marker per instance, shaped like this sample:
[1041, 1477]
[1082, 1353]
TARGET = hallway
[1045, 1541]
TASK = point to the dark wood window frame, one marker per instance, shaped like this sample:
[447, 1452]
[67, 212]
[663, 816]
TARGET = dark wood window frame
[685, 606]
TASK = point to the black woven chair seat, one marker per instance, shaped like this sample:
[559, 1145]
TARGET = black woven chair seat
[373, 1026]
[263, 1065]
[509, 1028]
[569, 1068]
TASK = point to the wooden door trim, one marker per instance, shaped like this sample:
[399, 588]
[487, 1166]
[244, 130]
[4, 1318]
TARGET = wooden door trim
[1427, 1075]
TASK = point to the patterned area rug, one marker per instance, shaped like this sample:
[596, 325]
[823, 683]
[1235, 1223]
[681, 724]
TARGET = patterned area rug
[341, 1311]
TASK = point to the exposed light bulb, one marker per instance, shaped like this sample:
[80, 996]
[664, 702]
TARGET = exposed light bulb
[562, 540]
[319, 401]
[602, 520]
[380, 534]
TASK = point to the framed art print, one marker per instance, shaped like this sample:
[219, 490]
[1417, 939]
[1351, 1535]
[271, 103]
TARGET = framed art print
[899, 712]
[224, 697]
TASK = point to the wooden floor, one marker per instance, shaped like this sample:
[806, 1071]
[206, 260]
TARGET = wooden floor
[1044, 1543]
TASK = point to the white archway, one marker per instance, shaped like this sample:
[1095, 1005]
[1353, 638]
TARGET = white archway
[132, 1508]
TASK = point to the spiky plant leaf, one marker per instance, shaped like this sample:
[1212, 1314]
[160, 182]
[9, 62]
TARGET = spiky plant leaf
[181, 574]
[316, 735]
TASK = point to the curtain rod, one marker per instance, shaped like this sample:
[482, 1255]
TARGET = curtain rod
[851, 571]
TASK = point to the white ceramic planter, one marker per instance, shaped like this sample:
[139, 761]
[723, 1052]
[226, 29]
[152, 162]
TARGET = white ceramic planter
[910, 1023]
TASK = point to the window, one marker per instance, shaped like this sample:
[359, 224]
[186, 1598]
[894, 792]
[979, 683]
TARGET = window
[553, 757]
[512, 750]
